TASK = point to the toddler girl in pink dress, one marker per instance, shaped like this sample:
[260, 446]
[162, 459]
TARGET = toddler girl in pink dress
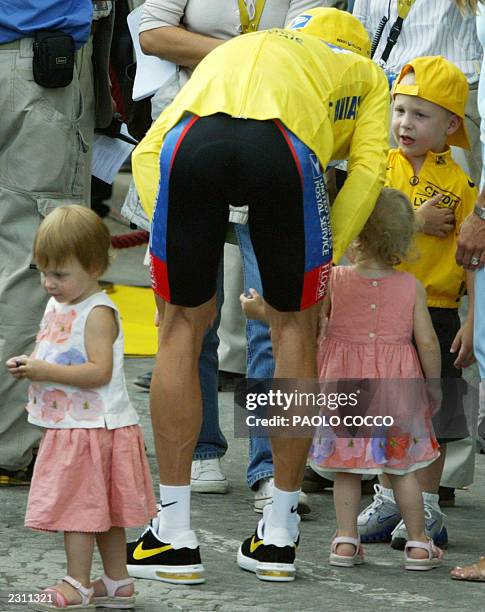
[369, 319]
[91, 478]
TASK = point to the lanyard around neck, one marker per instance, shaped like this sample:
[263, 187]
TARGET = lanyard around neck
[247, 24]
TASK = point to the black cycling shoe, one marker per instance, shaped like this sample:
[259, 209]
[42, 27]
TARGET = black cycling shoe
[177, 562]
[273, 562]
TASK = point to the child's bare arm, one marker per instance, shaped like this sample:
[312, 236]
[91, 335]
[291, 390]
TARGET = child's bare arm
[323, 316]
[428, 346]
[100, 333]
[425, 336]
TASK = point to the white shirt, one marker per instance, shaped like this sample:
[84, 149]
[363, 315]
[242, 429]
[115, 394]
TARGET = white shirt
[218, 18]
[432, 27]
[61, 340]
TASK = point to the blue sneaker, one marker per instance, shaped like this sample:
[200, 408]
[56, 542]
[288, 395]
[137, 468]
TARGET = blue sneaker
[435, 529]
[377, 522]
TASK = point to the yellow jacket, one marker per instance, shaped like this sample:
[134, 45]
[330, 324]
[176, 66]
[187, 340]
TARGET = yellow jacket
[433, 262]
[335, 101]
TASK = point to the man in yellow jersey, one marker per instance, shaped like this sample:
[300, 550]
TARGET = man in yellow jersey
[257, 125]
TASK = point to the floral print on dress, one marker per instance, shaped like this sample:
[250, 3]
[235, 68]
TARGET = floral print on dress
[54, 405]
[71, 357]
[323, 444]
[45, 324]
[34, 406]
[56, 326]
[86, 406]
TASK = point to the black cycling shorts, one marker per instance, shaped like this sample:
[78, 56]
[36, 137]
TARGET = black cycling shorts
[208, 163]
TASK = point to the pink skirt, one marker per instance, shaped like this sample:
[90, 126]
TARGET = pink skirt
[90, 480]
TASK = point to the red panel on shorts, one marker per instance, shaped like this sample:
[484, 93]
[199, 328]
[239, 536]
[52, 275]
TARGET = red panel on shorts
[159, 274]
[315, 285]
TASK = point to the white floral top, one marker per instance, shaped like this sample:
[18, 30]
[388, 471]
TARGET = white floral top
[61, 340]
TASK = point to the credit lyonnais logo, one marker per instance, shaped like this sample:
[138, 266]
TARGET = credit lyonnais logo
[254, 545]
[140, 553]
[347, 108]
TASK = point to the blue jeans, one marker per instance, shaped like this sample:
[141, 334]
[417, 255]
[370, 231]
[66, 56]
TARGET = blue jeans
[211, 443]
[260, 362]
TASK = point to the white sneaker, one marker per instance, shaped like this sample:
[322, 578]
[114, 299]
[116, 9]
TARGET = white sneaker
[377, 521]
[434, 528]
[207, 476]
[264, 496]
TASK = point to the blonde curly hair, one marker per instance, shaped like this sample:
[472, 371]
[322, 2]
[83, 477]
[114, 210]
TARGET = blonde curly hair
[389, 232]
[468, 6]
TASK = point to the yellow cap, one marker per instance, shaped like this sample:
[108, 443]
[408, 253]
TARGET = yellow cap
[441, 82]
[336, 27]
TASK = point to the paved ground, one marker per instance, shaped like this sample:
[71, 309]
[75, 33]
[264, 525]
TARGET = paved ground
[29, 560]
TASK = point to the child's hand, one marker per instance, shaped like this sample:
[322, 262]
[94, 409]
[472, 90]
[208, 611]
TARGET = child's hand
[253, 305]
[463, 345]
[13, 364]
[28, 367]
[434, 220]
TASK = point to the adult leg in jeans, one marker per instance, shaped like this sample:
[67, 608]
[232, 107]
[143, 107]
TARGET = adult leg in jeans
[260, 362]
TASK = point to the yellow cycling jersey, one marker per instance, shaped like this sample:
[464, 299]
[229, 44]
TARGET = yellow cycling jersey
[335, 101]
[433, 260]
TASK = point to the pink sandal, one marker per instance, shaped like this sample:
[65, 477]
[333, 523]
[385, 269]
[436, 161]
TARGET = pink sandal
[111, 600]
[343, 560]
[435, 556]
[60, 602]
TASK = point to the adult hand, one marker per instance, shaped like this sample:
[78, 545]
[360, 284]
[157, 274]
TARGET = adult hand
[434, 220]
[470, 252]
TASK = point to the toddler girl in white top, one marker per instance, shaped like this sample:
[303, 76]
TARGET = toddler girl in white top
[91, 478]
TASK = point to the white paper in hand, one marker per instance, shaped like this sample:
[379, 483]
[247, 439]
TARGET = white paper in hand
[109, 154]
[151, 72]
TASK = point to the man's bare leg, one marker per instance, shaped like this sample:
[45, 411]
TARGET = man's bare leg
[294, 336]
[169, 550]
[175, 397]
[270, 553]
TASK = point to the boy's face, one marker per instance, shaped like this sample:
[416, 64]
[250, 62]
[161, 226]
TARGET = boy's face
[420, 126]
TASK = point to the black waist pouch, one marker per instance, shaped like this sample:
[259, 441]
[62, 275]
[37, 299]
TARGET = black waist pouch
[53, 62]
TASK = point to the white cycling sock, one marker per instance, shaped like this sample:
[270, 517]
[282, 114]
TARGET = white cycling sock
[174, 516]
[284, 510]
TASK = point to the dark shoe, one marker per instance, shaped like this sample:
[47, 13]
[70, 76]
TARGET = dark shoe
[368, 486]
[144, 380]
[177, 562]
[17, 478]
[447, 497]
[275, 561]
[314, 483]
